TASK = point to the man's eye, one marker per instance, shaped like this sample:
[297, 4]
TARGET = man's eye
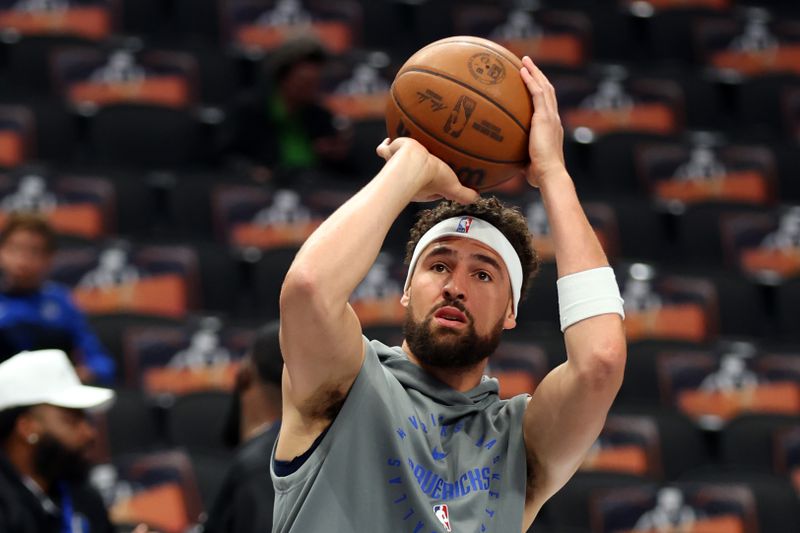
[438, 267]
[484, 276]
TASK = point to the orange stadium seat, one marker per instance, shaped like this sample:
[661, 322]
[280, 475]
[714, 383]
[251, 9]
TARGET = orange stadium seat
[656, 443]
[177, 360]
[88, 78]
[770, 497]
[159, 489]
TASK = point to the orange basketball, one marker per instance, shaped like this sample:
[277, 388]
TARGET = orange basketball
[464, 100]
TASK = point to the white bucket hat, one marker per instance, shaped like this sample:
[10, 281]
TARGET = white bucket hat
[47, 376]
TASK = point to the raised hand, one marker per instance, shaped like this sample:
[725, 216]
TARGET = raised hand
[432, 177]
[546, 143]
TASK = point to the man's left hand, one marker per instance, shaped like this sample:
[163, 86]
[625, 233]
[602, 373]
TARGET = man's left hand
[546, 142]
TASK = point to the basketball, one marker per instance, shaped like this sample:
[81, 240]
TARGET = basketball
[464, 100]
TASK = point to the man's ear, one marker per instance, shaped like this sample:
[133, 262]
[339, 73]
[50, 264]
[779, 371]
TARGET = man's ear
[406, 297]
[510, 320]
[27, 426]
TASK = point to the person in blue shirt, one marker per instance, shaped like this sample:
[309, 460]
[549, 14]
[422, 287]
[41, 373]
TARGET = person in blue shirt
[36, 313]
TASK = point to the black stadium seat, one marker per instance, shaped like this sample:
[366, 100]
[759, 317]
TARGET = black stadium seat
[571, 506]
[133, 424]
[749, 441]
[197, 421]
[147, 136]
[775, 500]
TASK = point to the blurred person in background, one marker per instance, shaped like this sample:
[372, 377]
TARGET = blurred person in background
[246, 496]
[45, 443]
[36, 313]
[286, 126]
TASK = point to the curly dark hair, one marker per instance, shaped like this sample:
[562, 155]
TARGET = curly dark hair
[509, 220]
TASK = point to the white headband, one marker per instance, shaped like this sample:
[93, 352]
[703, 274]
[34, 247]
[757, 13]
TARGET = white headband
[481, 231]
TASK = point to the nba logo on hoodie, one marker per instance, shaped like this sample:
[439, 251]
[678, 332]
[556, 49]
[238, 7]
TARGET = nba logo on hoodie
[464, 224]
[443, 515]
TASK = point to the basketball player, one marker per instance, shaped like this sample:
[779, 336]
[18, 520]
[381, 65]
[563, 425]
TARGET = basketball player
[415, 438]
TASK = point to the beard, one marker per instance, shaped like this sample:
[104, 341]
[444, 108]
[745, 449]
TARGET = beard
[56, 462]
[441, 347]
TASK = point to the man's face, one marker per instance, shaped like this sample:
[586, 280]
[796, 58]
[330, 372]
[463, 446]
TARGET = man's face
[25, 260]
[301, 86]
[66, 438]
[457, 304]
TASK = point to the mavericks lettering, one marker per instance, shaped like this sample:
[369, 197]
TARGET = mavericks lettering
[475, 480]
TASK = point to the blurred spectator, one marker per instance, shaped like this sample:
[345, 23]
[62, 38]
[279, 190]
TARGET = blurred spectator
[45, 442]
[246, 497]
[36, 313]
[286, 125]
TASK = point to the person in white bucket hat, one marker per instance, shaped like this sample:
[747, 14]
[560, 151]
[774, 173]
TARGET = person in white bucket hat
[45, 442]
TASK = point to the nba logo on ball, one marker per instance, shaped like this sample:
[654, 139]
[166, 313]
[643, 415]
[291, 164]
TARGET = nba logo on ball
[443, 515]
[486, 69]
[463, 225]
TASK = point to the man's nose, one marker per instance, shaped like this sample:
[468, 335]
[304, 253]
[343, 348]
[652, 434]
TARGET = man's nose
[454, 287]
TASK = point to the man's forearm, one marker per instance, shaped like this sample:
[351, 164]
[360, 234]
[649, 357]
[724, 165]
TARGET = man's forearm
[597, 344]
[576, 245]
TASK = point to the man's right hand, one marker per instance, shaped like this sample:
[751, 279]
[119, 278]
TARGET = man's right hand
[434, 179]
